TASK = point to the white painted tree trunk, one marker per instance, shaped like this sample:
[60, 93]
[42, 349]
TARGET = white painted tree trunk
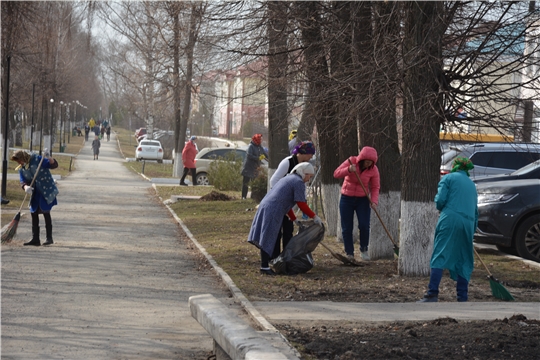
[330, 199]
[380, 245]
[47, 142]
[178, 166]
[418, 221]
[35, 138]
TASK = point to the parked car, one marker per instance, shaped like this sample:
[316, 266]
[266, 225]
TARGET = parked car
[492, 158]
[531, 171]
[140, 132]
[509, 216]
[207, 156]
[149, 150]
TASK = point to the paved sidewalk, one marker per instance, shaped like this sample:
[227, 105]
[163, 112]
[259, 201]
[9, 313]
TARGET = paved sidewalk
[116, 282]
[327, 311]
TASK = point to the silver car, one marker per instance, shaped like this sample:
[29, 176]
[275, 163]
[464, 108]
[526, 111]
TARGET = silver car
[207, 156]
[492, 158]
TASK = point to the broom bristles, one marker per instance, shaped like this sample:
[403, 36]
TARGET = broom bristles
[8, 231]
[499, 291]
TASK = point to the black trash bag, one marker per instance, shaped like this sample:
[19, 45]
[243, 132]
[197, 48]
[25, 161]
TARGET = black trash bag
[296, 257]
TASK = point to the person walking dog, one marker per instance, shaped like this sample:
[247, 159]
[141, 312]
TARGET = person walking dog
[43, 193]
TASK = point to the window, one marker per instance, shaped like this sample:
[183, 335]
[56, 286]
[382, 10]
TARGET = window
[512, 160]
[481, 158]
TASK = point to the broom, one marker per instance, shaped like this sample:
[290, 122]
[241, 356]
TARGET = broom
[497, 288]
[396, 248]
[342, 258]
[9, 231]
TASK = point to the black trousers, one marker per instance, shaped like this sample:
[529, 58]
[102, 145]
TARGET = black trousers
[284, 236]
[245, 182]
[193, 175]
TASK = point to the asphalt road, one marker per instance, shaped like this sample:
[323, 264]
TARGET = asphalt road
[116, 282]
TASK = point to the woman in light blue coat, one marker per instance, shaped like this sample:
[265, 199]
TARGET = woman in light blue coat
[457, 201]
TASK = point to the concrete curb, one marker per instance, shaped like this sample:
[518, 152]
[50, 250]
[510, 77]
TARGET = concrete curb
[237, 339]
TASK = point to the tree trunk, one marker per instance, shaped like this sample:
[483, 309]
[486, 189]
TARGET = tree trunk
[192, 39]
[379, 128]
[318, 106]
[177, 168]
[277, 83]
[423, 69]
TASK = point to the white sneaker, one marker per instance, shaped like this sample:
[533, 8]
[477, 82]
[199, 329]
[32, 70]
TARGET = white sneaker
[365, 256]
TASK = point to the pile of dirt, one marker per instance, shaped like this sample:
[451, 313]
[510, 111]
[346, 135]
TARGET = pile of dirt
[443, 338]
[216, 196]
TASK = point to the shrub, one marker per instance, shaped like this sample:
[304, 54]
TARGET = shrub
[259, 185]
[225, 174]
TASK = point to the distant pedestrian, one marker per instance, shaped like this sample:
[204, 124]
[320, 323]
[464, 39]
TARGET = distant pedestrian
[457, 201]
[97, 130]
[43, 193]
[86, 132]
[254, 155]
[108, 131]
[188, 159]
[102, 132]
[96, 144]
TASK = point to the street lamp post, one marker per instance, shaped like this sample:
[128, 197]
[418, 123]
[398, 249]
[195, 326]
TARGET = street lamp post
[52, 127]
[230, 123]
[32, 127]
[69, 120]
[41, 126]
[61, 127]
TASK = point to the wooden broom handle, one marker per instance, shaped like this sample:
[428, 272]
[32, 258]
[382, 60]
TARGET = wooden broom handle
[479, 258]
[371, 203]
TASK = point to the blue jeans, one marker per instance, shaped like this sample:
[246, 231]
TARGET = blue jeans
[462, 286]
[347, 206]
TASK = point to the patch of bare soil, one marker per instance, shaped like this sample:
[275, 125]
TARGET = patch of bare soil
[216, 196]
[378, 281]
[444, 338]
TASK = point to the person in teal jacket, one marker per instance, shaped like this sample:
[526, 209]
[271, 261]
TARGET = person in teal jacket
[457, 201]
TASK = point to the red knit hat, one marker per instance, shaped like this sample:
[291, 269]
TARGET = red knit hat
[257, 139]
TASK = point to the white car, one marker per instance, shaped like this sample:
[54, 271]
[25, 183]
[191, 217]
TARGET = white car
[149, 150]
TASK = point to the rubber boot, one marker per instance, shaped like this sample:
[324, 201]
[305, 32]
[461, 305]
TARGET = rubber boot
[48, 229]
[35, 237]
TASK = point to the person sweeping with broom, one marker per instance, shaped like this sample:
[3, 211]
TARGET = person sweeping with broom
[43, 191]
[456, 200]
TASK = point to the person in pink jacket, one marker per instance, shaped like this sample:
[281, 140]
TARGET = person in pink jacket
[188, 158]
[354, 199]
